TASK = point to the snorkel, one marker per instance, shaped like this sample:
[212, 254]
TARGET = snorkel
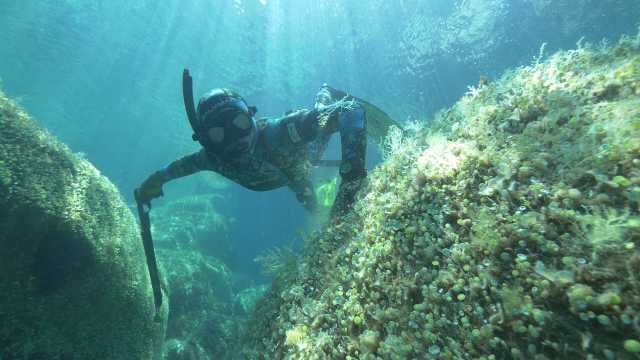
[190, 108]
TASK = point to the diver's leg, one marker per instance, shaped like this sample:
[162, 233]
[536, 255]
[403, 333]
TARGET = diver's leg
[353, 140]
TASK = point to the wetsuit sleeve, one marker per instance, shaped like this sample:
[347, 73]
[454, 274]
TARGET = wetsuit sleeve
[187, 165]
[299, 174]
[305, 194]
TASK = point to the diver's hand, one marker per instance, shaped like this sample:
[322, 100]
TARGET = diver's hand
[308, 199]
[151, 188]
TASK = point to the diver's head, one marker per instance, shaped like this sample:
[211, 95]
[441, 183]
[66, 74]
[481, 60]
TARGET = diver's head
[226, 123]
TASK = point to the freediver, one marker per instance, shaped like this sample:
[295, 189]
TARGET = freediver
[268, 153]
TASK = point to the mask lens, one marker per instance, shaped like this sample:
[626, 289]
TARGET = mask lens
[216, 134]
[241, 121]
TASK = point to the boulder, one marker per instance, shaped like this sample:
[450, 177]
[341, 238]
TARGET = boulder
[202, 321]
[508, 227]
[74, 279]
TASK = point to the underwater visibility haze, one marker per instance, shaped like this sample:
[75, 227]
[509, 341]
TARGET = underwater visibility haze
[328, 179]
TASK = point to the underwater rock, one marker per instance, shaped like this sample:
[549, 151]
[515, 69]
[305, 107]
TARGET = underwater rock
[74, 280]
[175, 349]
[245, 300]
[192, 223]
[202, 321]
[508, 229]
[194, 277]
[206, 315]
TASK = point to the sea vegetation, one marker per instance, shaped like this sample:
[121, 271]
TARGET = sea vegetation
[279, 263]
[208, 303]
[506, 229]
[202, 320]
[74, 282]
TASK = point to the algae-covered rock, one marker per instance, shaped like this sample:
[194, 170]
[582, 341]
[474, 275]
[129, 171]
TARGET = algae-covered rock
[74, 280]
[246, 299]
[507, 229]
[202, 321]
[206, 315]
[194, 278]
[192, 223]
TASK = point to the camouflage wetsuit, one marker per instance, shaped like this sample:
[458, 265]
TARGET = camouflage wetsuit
[285, 151]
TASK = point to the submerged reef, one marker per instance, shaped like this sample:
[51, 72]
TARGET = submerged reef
[208, 304]
[74, 280]
[506, 229]
[200, 315]
[207, 311]
[192, 223]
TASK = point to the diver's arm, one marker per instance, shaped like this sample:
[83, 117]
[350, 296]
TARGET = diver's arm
[152, 187]
[305, 194]
[187, 165]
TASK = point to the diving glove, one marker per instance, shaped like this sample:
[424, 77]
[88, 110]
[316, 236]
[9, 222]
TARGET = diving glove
[151, 188]
[308, 199]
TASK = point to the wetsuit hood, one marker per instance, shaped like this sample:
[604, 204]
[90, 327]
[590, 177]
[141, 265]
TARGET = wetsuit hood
[223, 122]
